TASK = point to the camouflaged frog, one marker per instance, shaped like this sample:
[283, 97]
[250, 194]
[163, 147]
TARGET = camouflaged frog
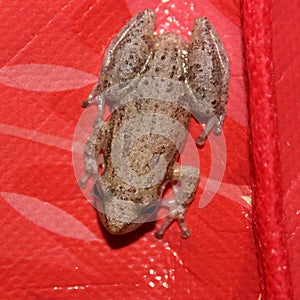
[152, 84]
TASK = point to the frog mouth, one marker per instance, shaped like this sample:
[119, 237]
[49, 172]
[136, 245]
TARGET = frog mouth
[123, 216]
[117, 227]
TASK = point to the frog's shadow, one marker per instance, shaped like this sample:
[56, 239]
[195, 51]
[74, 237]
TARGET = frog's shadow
[123, 240]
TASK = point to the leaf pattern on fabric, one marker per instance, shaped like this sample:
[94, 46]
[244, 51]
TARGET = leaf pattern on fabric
[49, 217]
[44, 78]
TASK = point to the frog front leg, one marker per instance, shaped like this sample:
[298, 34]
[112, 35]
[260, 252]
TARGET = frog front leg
[188, 177]
[98, 97]
[92, 148]
[208, 76]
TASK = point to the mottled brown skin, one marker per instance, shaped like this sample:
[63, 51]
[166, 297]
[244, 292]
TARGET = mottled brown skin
[139, 156]
[159, 80]
[206, 55]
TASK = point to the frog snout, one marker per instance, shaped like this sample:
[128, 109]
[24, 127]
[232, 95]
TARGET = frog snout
[117, 227]
[119, 216]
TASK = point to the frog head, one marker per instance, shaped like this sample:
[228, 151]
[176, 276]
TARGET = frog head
[121, 214]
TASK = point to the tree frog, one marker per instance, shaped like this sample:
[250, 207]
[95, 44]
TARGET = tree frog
[152, 84]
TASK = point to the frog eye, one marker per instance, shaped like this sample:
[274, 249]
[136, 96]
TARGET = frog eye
[96, 192]
[150, 209]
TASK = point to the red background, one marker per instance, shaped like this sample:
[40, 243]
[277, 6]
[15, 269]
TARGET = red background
[286, 43]
[52, 246]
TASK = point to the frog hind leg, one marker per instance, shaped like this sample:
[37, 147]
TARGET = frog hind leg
[188, 177]
[125, 58]
[92, 148]
[128, 53]
[208, 75]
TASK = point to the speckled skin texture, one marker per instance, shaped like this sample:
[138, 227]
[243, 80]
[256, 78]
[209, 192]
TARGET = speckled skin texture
[152, 84]
[208, 66]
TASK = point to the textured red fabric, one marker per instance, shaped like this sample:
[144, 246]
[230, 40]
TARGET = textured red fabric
[275, 279]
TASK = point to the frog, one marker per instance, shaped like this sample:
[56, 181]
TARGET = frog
[153, 84]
